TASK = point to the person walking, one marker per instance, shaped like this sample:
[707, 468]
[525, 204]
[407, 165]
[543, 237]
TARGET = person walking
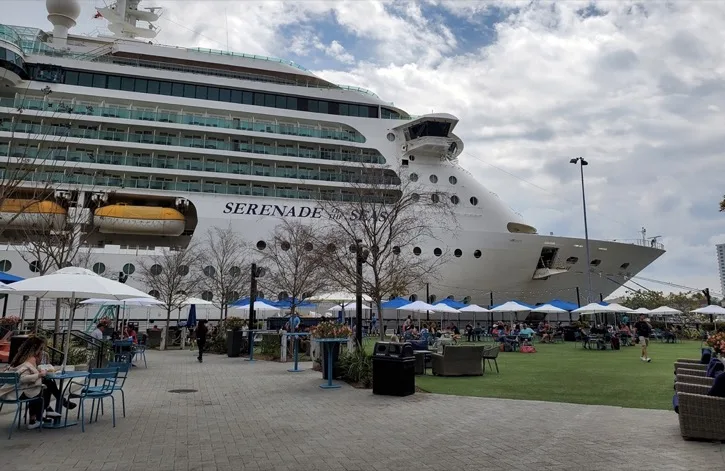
[201, 331]
[643, 330]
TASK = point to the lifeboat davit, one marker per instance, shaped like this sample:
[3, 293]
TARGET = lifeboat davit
[139, 220]
[32, 214]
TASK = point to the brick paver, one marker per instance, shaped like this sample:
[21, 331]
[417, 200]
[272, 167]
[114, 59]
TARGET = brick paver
[257, 416]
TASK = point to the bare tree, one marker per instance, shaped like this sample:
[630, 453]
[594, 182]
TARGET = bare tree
[722, 204]
[294, 262]
[225, 268]
[389, 219]
[171, 276]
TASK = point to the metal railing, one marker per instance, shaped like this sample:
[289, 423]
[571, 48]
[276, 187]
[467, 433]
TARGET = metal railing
[642, 243]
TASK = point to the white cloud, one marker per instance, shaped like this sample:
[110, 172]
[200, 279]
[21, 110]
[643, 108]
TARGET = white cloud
[636, 88]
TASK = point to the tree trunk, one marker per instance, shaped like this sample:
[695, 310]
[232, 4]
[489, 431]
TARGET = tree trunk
[165, 338]
[37, 312]
[381, 325]
[57, 315]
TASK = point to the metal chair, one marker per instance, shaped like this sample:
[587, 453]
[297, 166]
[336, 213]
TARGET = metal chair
[107, 378]
[13, 397]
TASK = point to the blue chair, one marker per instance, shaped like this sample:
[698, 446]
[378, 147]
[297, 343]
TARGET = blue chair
[140, 350]
[123, 369]
[13, 379]
[107, 379]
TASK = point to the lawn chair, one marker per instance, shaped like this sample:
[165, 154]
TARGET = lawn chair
[491, 353]
[13, 397]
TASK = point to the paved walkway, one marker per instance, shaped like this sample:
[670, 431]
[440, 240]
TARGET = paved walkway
[257, 416]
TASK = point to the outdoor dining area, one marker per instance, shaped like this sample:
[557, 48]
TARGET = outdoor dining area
[44, 393]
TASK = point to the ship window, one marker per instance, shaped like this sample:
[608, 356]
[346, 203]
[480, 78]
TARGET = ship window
[153, 87]
[201, 92]
[572, 260]
[247, 98]
[474, 200]
[129, 269]
[154, 293]
[417, 251]
[455, 200]
[164, 88]
[435, 198]
[156, 269]
[433, 179]
[261, 245]
[269, 100]
[114, 82]
[207, 296]
[141, 85]
[623, 266]
[437, 252]
[413, 298]
[415, 197]
[291, 103]
[477, 254]
[413, 177]
[189, 90]
[178, 89]
[223, 94]
[259, 99]
[209, 271]
[127, 84]
[285, 245]
[5, 265]
[432, 298]
[183, 270]
[280, 101]
[308, 246]
[99, 268]
[596, 262]
[452, 180]
[396, 250]
[85, 79]
[458, 252]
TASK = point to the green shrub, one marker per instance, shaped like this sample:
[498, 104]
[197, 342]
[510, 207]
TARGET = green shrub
[271, 345]
[356, 367]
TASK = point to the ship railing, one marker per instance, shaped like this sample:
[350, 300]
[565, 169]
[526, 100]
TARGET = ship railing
[182, 117]
[10, 35]
[642, 243]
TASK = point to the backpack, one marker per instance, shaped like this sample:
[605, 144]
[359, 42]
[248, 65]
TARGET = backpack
[527, 349]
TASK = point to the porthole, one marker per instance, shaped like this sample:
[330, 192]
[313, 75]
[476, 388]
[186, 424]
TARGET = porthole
[391, 136]
[183, 270]
[596, 262]
[467, 300]
[209, 271]
[207, 296]
[5, 265]
[477, 254]
[452, 180]
[572, 260]
[458, 252]
[437, 252]
[417, 251]
[154, 293]
[282, 296]
[624, 266]
[415, 197]
[455, 199]
[413, 177]
[435, 198]
[413, 298]
[235, 272]
[129, 269]
[285, 245]
[156, 269]
[261, 245]
[412, 158]
[34, 266]
[450, 297]
[396, 250]
[433, 179]
[99, 268]
[474, 201]
[331, 247]
[308, 246]
[432, 299]
[181, 292]
[260, 294]
[235, 295]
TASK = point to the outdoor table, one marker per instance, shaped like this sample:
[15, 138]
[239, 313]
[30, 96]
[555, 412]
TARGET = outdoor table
[297, 336]
[422, 358]
[327, 344]
[61, 377]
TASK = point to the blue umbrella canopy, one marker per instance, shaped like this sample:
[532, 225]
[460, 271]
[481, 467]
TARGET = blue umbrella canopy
[452, 303]
[395, 303]
[191, 320]
[563, 304]
[287, 304]
[8, 278]
[245, 301]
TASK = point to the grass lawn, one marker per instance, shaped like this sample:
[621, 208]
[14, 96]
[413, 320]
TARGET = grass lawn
[563, 373]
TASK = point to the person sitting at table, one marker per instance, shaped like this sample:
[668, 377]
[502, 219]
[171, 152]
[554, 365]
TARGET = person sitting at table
[469, 331]
[527, 332]
[131, 334]
[33, 384]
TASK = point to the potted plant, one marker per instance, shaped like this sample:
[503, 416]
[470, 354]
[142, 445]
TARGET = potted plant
[717, 342]
[331, 330]
[10, 323]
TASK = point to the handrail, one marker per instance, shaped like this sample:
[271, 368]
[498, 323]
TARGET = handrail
[642, 243]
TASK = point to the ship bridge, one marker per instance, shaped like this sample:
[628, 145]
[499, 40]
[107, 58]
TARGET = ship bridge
[431, 135]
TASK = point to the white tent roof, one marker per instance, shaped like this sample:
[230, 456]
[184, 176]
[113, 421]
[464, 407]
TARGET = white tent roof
[6, 288]
[511, 306]
[258, 306]
[440, 307]
[665, 311]
[338, 297]
[347, 307]
[618, 308]
[473, 308]
[417, 306]
[711, 309]
[592, 308]
[78, 283]
[641, 310]
[124, 302]
[549, 309]
[196, 301]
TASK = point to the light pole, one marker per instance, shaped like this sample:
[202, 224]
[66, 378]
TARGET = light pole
[582, 163]
[361, 254]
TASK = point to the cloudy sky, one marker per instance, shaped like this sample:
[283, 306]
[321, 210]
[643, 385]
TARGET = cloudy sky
[637, 88]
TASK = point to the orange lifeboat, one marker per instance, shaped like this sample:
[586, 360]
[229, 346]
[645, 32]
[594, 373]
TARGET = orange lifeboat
[32, 214]
[139, 220]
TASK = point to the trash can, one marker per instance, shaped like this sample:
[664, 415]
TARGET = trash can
[393, 369]
[15, 343]
[234, 343]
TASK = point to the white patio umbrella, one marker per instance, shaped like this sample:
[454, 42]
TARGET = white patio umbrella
[342, 297]
[417, 306]
[341, 307]
[593, 308]
[549, 309]
[197, 302]
[75, 283]
[440, 307]
[473, 308]
[150, 301]
[712, 309]
[618, 308]
[665, 311]
[641, 310]
[510, 306]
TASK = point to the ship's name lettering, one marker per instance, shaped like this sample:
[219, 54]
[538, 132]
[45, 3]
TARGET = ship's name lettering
[253, 209]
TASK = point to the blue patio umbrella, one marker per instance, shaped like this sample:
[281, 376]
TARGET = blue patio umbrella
[395, 303]
[191, 320]
[7, 278]
[287, 304]
[452, 303]
[245, 301]
[563, 304]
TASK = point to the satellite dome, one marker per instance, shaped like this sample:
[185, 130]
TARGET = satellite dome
[62, 14]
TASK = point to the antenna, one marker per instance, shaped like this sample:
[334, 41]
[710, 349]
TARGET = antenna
[226, 26]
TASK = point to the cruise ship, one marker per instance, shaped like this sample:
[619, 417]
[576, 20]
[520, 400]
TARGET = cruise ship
[144, 146]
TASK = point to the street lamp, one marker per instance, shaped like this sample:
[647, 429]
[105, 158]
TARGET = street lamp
[582, 163]
[361, 255]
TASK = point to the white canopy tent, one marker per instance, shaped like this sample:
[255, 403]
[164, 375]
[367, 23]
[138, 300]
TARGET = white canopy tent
[665, 311]
[124, 303]
[549, 309]
[712, 309]
[510, 307]
[75, 283]
[259, 307]
[618, 308]
[473, 308]
[341, 307]
[641, 310]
